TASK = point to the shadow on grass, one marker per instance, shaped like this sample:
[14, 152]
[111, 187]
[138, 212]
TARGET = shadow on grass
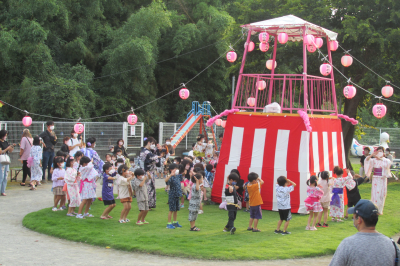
[210, 242]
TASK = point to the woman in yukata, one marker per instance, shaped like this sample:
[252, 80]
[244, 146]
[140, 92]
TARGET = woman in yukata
[150, 163]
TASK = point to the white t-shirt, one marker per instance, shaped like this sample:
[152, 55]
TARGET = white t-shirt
[283, 196]
[71, 143]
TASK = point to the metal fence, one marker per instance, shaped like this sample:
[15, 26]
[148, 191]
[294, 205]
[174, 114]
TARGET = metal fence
[106, 133]
[371, 136]
[166, 130]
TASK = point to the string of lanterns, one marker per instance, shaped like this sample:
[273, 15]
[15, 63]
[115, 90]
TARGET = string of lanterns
[312, 43]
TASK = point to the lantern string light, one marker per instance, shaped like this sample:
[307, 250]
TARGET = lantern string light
[349, 79]
[124, 112]
[387, 81]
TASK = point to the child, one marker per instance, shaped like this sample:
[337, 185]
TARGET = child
[312, 202]
[214, 160]
[353, 195]
[107, 191]
[326, 198]
[195, 202]
[337, 202]
[198, 170]
[366, 152]
[283, 189]
[36, 164]
[88, 176]
[232, 203]
[174, 180]
[177, 160]
[142, 197]
[208, 155]
[246, 197]
[71, 178]
[123, 183]
[108, 159]
[254, 188]
[78, 156]
[113, 159]
[208, 181]
[58, 184]
[118, 153]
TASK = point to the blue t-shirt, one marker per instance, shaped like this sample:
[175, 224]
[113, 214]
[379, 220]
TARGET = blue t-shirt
[175, 190]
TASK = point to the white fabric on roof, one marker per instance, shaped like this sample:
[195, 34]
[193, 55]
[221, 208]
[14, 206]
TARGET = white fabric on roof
[292, 25]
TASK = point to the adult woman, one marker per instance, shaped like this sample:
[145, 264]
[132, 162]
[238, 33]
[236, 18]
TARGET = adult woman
[92, 154]
[25, 150]
[200, 146]
[74, 144]
[5, 148]
[150, 162]
[381, 167]
[120, 146]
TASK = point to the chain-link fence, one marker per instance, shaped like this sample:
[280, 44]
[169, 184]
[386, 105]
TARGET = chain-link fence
[371, 136]
[106, 133]
[166, 130]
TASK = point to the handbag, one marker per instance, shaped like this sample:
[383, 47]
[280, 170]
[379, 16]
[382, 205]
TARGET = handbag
[5, 159]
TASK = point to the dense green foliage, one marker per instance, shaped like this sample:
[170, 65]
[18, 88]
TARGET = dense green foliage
[210, 242]
[87, 58]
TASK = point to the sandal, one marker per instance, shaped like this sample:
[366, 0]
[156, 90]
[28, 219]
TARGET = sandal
[104, 218]
[256, 230]
[109, 217]
[194, 228]
[122, 222]
[22, 184]
[250, 228]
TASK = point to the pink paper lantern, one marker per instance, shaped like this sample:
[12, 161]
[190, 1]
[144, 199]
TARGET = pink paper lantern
[387, 91]
[250, 46]
[79, 128]
[261, 84]
[184, 93]
[347, 60]
[223, 123]
[309, 39]
[263, 37]
[264, 46]
[325, 69]
[27, 121]
[311, 48]
[379, 110]
[333, 45]
[218, 122]
[132, 119]
[319, 42]
[283, 37]
[349, 91]
[251, 101]
[231, 56]
[269, 64]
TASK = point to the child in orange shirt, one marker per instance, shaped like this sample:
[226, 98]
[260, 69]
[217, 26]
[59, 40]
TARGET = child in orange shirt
[254, 188]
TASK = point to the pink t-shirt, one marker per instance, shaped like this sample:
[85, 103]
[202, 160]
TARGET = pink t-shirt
[26, 146]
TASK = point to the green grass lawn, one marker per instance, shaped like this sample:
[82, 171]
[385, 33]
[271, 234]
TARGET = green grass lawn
[210, 242]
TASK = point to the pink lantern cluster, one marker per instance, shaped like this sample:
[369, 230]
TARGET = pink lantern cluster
[379, 110]
[79, 128]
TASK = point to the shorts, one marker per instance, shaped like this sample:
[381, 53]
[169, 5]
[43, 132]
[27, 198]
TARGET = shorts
[325, 205]
[174, 204]
[108, 202]
[193, 215]
[58, 191]
[255, 212]
[352, 203]
[285, 215]
[143, 205]
[128, 199]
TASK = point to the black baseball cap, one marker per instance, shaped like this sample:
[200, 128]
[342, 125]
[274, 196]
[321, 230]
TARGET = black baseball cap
[364, 208]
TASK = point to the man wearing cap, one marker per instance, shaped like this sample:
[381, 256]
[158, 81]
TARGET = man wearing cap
[357, 249]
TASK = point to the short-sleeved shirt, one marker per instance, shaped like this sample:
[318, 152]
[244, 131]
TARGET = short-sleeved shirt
[107, 192]
[175, 190]
[354, 194]
[4, 145]
[361, 249]
[123, 187]
[195, 200]
[141, 191]
[283, 196]
[26, 145]
[362, 159]
[64, 148]
[254, 194]
[73, 142]
[49, 140]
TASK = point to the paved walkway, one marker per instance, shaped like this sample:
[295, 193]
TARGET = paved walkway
[21, 246]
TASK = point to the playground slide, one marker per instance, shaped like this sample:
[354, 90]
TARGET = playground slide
[184, 129]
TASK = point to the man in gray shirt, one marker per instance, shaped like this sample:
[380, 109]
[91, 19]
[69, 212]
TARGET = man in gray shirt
[368, 246]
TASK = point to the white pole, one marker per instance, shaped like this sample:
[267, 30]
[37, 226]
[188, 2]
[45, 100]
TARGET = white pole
[233, 89]
[125, 133]
[141, 135]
